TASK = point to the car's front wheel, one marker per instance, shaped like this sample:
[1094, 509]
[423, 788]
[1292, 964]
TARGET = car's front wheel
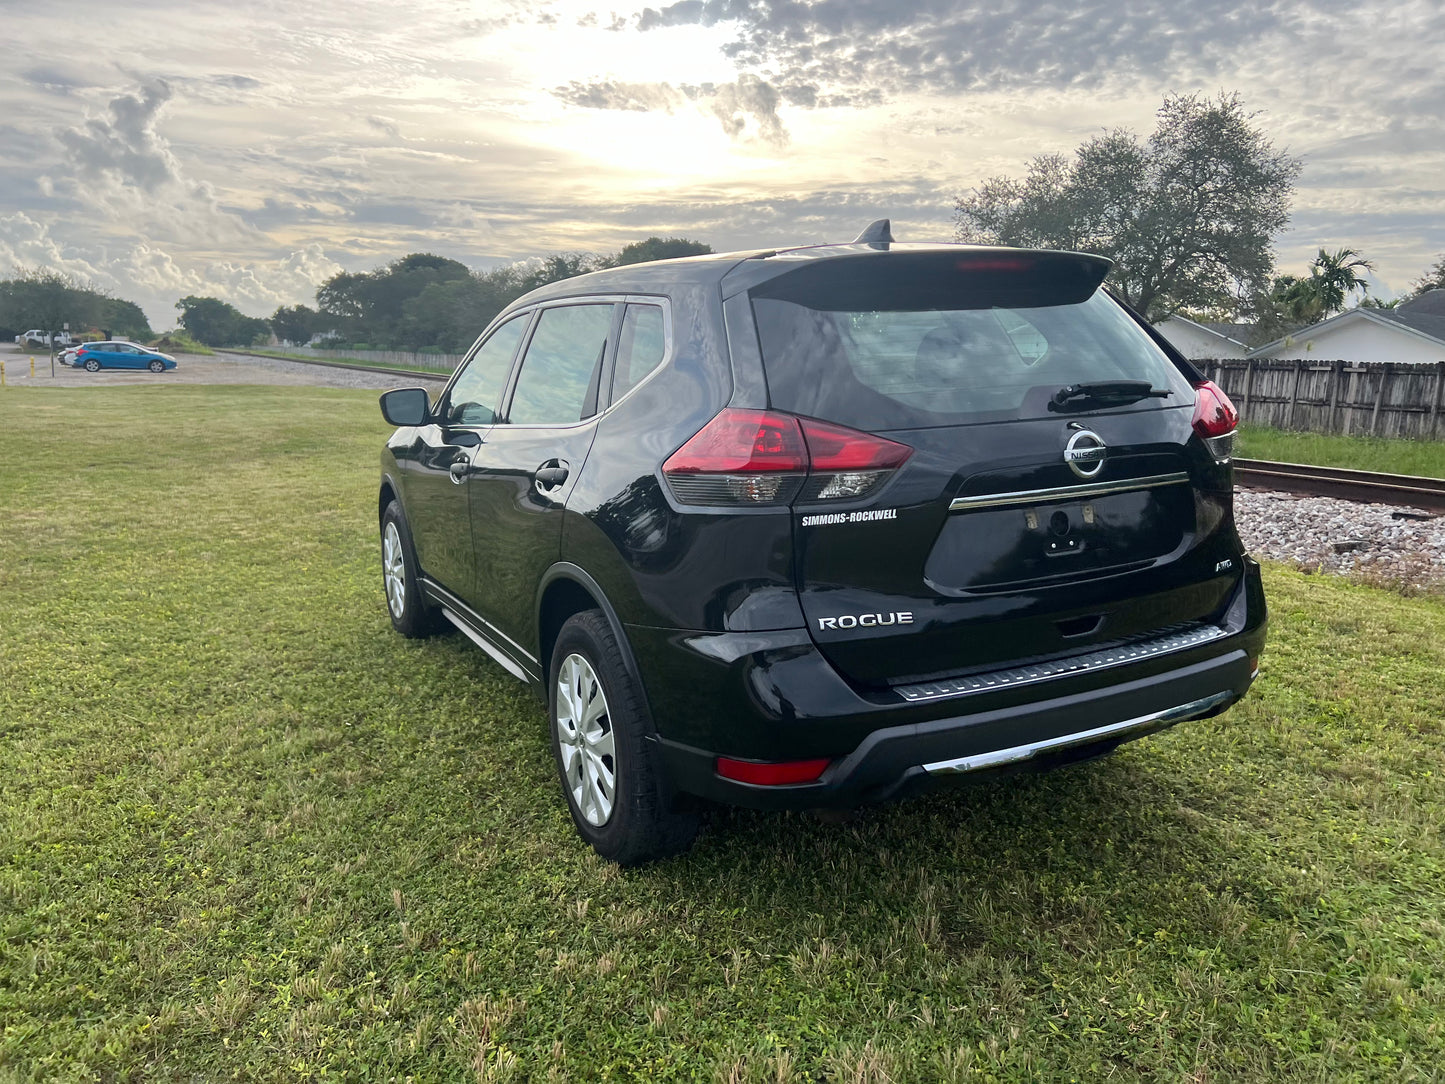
[157, 366]
[405, 604]
[616, 789]
[91, 365]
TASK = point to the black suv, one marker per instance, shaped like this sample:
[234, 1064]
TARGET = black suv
[824, 526]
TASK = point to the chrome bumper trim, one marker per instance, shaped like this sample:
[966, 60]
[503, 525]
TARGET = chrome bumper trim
[1129, 728]
[1066, 493]
[1076, 664]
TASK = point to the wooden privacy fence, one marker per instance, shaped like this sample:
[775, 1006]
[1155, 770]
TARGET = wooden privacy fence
[1376, 398]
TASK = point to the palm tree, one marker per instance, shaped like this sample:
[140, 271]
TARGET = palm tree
[1333, 278]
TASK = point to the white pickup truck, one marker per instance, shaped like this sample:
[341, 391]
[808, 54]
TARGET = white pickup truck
[38, 337]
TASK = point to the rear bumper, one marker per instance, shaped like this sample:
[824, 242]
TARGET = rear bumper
[777, 699]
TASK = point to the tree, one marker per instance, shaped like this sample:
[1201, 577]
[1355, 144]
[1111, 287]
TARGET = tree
[1293, 302]
[125, 320]
[37, 298]
[1187, 216]
[1332, 279]
[423, 300]
[1433, 279]
[295, 323]
[659, 248]
[215, 322]
[373, 303]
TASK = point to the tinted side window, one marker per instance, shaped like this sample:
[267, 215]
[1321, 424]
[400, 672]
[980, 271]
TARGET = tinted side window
[560, 364]
[477, 395]
[640, 347]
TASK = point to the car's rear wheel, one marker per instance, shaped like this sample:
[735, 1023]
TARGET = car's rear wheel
[405, 603]
[157, 366]
[91, 365]
[616, 789]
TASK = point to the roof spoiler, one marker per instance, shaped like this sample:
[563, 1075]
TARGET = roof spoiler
[878, 235]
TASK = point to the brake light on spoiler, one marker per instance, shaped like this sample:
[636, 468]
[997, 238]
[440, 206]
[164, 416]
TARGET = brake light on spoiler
[769, 457]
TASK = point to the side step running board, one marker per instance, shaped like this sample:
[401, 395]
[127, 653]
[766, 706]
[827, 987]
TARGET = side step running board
[497, 656]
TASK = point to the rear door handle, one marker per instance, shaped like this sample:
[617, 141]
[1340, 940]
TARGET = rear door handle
[550, 475]
[459, 469]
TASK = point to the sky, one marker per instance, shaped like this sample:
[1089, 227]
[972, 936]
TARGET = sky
[251, 149]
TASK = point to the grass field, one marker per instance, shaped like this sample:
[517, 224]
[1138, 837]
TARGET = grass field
[246, 832]
[1424, 458]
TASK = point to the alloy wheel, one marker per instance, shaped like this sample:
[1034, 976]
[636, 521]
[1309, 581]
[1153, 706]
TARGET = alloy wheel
[585, 740]
[393, 564]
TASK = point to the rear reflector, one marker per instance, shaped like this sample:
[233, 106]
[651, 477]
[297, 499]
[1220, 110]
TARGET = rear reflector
[771, 775]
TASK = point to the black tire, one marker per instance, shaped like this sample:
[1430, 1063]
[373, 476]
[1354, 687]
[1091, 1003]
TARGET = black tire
[157, 366]
[641, 825]
[405, 604]
[91, 365]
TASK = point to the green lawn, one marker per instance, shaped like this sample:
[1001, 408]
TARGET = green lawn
[246, 832]
[1424, 458]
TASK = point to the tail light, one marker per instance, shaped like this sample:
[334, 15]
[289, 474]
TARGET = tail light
[1215, 420]
[768, 457]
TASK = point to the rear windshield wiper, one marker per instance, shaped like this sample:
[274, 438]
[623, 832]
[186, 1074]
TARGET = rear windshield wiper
[1112, 391]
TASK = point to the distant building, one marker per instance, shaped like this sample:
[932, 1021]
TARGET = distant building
[1413, 332]
[1195, 340]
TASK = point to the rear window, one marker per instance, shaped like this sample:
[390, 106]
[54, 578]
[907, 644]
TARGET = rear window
[969, 359]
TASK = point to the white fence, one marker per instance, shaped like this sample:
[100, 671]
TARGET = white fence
[442, 363]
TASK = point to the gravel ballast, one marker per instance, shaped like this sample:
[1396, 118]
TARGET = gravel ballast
[1384, 543]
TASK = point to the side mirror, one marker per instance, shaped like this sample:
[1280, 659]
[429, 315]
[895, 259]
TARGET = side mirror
[406, 406]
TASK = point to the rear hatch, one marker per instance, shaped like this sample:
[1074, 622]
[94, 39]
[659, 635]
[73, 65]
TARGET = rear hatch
[1055, 499]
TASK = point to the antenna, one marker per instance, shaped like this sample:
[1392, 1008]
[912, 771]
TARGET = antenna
[878, 235]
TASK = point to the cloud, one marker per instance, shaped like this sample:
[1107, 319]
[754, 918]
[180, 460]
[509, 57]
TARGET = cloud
[746, 108]
[954, 46]
[120, 164]
[749, 101]
[385, 125]
[630, 97]
[26, 242]
[154, 278]
[54, 78]
[124, 146]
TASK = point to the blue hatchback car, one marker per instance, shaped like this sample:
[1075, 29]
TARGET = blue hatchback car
[118, 354]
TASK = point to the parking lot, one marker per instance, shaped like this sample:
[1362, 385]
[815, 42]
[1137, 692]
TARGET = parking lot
[196, 369]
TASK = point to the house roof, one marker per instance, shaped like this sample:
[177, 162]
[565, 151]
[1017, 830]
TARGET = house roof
[1422, 316]
[1222, 331]
[1425, 313]
[1237, 332]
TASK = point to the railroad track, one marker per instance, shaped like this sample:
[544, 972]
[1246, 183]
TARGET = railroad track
[1366, 487]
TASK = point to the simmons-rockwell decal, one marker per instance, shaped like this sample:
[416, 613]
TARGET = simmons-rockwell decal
[865, 621]
[831, 518]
